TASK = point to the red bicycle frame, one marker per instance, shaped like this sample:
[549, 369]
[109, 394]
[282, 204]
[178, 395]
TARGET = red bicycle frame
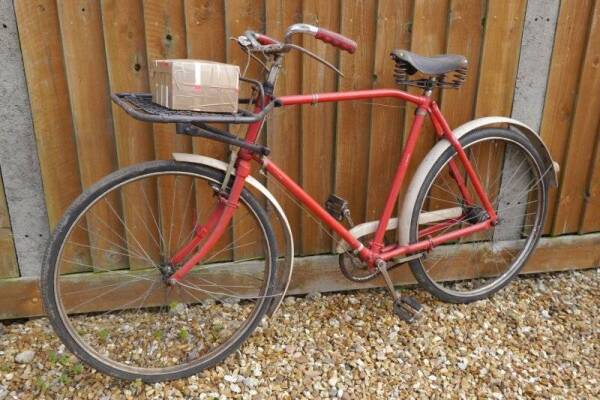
[221, 216]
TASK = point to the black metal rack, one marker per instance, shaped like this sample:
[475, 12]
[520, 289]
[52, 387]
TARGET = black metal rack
[140, 106]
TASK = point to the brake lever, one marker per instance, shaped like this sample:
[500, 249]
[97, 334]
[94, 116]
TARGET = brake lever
[316, 57]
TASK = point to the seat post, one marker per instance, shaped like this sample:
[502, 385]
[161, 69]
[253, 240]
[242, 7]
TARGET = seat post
[428, 90]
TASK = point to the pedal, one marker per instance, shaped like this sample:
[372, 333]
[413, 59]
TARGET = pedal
[407, 308]
[338, 208]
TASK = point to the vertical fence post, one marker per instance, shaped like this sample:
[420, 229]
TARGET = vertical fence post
[18, 151]
[528, 102]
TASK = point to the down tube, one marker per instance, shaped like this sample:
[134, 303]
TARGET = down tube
[315, 208]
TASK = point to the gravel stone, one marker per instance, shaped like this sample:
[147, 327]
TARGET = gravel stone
[500, 348]
[25, 357]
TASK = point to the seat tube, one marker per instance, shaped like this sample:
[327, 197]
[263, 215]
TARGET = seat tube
[399, 177]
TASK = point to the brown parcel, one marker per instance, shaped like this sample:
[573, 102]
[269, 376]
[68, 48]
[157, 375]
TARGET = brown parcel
[196, 85]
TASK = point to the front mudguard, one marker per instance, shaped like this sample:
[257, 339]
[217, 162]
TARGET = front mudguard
[285, 264]
[410, 199]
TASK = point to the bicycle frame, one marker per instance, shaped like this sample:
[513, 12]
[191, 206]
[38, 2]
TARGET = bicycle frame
[223, 213]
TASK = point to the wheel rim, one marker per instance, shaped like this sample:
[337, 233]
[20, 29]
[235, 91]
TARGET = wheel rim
[479, 264]
[183, 326]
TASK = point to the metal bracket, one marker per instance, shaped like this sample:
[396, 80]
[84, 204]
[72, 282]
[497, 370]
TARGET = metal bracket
[230, 169]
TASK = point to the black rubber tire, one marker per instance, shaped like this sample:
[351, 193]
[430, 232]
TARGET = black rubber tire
[71, 216]
[416, 265]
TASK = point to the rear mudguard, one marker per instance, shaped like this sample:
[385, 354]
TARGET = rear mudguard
[418, 179]
[285, 265]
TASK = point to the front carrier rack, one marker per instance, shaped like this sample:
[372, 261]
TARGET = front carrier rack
[192, 123]
[140, 106]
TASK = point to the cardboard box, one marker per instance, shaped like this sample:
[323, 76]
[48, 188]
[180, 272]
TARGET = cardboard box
[196, 85]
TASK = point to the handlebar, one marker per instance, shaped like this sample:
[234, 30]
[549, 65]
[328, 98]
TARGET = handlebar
[335, 39]
[253, 42]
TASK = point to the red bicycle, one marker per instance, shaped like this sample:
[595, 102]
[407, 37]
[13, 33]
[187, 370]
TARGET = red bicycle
[184, 256]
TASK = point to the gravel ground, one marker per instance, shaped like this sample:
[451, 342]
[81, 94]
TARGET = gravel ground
[540, 337]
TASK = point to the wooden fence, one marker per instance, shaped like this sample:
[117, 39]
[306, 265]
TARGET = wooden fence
[77, 52]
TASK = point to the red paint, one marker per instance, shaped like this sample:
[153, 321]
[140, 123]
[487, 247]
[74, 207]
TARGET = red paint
[437, 114]
[201, 232]
[221, 217]
[356, 95]
[436, 241]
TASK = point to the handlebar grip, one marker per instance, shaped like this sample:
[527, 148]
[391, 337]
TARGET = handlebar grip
[336, 39]
[264, 39]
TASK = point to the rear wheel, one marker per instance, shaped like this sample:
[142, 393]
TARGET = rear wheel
[476, 266]
[104, 275]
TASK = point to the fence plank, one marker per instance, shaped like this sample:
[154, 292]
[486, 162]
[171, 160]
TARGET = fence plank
[8, 258]
[591, 214]
[465, 34]
[85, 64]
[206, 39]
[21, 297]
[240, 16]
[123, 27]
[165, 37]
[500, 57]
[284, 125]
[569, 46]
[164, 25]
[52, 120]
[354, 118]
[318, 123]
[584, 131]
[498, 73]
[387, 116]
[428, 38]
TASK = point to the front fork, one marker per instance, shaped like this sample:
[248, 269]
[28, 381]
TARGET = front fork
[216, 224]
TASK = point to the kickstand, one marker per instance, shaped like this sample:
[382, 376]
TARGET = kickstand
[405, 307]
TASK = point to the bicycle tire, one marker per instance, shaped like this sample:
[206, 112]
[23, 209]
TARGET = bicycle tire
[52, 305]
[419, 270]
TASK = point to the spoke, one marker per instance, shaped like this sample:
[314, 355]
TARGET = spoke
[172, 214]
[105, 250]
[108, 240]
[147, 256]
[160, 235]
[188, 198]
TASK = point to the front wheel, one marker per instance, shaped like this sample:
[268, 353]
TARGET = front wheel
[476, 266]
[105, 274]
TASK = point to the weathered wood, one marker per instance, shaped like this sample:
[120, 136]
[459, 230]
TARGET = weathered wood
[46, 79]
[284, 126]
[8, 258]
[123, 27]
[591, 214]
[567, 55]
[387, 116]
[318, 122]
[20, 297]
[498, 72]
[240, 16]
[85, 64]
[165, 34]
[465, 36]
[206, 39]
[164, 24]
[52, 120]
[584, 132]
[354, 118]
[428, 38]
